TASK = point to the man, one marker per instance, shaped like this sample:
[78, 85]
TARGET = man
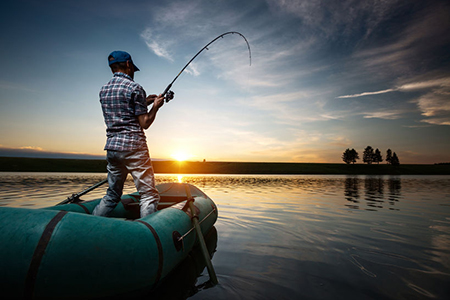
[124, 104]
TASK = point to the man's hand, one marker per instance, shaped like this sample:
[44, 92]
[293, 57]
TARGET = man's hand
[145, 120]
[150, 99]
[158, 101]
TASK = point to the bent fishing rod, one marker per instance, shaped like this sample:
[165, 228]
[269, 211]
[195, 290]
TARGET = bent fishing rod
[170, 94]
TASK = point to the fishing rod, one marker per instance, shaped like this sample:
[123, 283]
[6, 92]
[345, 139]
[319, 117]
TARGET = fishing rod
[170, 94]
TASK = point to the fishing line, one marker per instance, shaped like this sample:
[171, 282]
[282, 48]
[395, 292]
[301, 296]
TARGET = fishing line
[170, 94]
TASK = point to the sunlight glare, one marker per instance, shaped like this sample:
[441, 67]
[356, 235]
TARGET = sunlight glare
[181, 156]
[180, 178]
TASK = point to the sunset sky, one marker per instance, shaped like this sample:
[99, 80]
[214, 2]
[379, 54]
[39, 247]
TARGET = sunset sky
[325, 76]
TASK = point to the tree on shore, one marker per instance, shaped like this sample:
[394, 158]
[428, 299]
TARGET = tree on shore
[350, 156]
[392, 158]
[377, 158]
[355, 155]
[395, 161]
[368, 155]
[388, 156]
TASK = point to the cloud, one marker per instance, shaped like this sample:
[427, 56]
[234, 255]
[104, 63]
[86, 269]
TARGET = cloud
[435, 106]
[328, 17]
[415, 45]
[38, 152]
[290, 108]
[156, 46]
[387, 115]
[302, 146]
[441, 82]
[31, 148]
[368, 93]
[192, 69]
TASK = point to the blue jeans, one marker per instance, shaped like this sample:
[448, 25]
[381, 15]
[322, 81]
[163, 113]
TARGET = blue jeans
[139, 164]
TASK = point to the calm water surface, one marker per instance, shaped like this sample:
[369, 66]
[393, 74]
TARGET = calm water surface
[306, 236]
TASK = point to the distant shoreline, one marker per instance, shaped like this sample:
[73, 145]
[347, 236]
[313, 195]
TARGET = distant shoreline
[17, 164]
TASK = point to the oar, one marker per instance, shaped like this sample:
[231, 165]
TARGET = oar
[201, 240]
[75, 197]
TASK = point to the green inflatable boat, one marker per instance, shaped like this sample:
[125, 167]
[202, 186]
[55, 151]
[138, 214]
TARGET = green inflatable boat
[64, 252]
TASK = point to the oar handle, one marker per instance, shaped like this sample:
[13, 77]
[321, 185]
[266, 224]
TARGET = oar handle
[201, 240]
[76, 197]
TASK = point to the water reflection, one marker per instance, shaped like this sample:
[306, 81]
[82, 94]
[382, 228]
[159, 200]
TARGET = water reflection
[302, 236]
[395, 186]
[184, 281]
[374, 192]
[351, 192]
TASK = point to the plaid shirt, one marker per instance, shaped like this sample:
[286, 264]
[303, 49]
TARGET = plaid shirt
[122, 101]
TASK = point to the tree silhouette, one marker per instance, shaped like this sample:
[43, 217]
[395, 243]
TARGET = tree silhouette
[388, 156]
[346, 156]
[377, 157]
[395, 161]
[350, 156]
[355, 155]
[368, 155]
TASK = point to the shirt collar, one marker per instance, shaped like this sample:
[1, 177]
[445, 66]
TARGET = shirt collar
[120, 74]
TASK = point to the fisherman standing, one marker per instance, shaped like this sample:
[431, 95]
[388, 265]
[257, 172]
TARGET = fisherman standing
[124, 104]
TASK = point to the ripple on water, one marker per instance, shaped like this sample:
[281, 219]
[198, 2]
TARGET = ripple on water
[304, 237]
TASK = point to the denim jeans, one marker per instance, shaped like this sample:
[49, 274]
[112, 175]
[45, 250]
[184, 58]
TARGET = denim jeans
[139, 165]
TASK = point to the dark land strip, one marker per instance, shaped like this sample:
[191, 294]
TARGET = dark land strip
[17, 164]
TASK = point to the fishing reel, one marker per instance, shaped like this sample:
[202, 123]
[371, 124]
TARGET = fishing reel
[169, 96]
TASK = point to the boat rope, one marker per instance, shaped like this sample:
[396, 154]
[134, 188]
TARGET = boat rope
[192, 228]
[170, 93]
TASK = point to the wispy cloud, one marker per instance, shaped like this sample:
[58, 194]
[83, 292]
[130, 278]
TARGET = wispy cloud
[155, 45]
[387, 115]
[435, 106]
[290, 108]
[31, 148]
[344, 16]
[33, 151]
[441, 82]
[368, 93]
[192, 69]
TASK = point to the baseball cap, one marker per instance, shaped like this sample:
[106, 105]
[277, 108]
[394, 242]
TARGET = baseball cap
[120, 56]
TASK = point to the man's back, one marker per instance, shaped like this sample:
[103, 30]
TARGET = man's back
[122, 101]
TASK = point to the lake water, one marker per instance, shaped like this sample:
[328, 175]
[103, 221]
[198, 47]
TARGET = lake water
[305, 236]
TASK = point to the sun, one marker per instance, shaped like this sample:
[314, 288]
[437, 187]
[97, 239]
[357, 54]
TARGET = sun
[180, 156]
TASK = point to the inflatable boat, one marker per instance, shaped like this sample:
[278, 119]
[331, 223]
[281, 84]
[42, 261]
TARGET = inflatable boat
[65, 252]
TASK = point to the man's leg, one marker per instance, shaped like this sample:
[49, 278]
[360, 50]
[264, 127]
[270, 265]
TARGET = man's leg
[140, 166]
[117, 174]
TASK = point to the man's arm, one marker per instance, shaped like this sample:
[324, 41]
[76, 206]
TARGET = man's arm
[145, 120]
[150, 99]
